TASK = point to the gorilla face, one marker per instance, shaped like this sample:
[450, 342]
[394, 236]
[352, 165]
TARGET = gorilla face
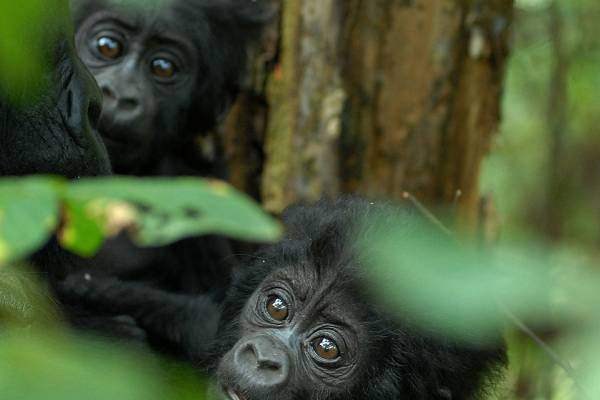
[168, 69]
[53, 133]
[146, 68]
[301, 332]
[301, 323]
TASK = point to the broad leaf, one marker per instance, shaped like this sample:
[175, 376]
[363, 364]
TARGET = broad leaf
[168, 209]
[52, 367]
[28, 215]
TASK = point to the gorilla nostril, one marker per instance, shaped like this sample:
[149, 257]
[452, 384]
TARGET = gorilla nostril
[128, 104]
[107, 92]
[69, 103]
[269, 364]
[247, 354]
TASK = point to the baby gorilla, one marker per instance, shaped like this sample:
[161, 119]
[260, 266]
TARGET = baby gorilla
[167, 69]
[299, 324]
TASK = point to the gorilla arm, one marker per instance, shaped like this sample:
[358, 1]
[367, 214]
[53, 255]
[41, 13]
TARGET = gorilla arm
[181, 324]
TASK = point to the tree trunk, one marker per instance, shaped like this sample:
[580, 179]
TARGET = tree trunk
[372, 96]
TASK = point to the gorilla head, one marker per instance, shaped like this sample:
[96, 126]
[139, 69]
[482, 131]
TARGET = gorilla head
[166, 68]
[299, 324]
[53, 132]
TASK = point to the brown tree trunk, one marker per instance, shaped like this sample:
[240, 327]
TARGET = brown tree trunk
[376, 97]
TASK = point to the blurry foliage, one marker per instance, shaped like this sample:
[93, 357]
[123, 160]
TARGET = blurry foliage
[155, 212]
[517, 169]
[53, 365]
[24, 27]
[456, 288]
[544, 173]
[39, 360]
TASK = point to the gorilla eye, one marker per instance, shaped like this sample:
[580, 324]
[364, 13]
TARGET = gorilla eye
[109, 47]
[163, 68]
[277, 308]
[326, 348]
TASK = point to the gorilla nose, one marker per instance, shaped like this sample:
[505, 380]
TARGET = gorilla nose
[124, 106]
[264, 360]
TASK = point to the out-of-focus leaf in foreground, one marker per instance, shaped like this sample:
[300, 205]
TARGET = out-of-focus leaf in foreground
[28, 215]
[454, 288]
[39, 360]
[166, 210]
[156, 212]
[25, 28]
[81, 233]
[23, 300]
[53, 367]
[20, 59]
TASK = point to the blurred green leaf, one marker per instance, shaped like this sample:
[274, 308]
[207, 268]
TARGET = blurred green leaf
[29, 29]
[23, 300]
[157, 212]
[453, 288]
[21, 59]
[168, 209]
[81, 234]
[28, 215]
[53, 367]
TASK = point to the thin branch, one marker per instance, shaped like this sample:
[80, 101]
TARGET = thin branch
[428, 214]
[554, 356]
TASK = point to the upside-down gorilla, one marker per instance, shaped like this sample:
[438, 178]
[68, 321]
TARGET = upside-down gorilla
[299, 324]
[167, 70]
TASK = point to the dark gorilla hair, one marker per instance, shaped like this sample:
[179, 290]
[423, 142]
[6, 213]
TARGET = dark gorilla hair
[299, 322]
[218, 31]
[148, 121]
[397, 361]
[233, 26]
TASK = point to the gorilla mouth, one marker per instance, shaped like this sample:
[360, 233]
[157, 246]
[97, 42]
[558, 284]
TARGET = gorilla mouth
[233, 394]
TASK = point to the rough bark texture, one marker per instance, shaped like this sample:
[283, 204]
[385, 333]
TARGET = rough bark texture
[374, 96]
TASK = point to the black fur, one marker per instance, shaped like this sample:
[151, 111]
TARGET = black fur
[53, 133]
[219, 31]
[150, 126]
[391, 358]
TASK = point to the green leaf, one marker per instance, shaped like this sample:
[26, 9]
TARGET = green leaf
[453, 288]
[20, 57]
[27, 28]
[53, 367]
[28, 215]
[81, 234]
[169, 209]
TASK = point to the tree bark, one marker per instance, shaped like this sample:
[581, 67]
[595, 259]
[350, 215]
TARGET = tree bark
[376, 97]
